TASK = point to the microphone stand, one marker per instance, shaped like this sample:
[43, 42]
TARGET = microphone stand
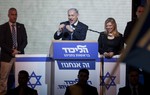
[94, 31]
[102, 91]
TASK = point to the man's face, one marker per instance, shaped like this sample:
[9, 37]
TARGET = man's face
[12, 16]
[72, 16]
[133, 77]
[140, 11]
[22, 79]
[83, 77]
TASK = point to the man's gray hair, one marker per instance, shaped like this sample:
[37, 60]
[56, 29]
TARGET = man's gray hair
[74, 10]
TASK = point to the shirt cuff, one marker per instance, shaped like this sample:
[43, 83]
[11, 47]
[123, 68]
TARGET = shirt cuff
[58, 33]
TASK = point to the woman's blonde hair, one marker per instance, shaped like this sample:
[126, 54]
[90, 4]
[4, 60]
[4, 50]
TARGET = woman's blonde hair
[112, 20]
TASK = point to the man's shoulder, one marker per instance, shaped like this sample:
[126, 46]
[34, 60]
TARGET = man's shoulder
[73, 85]
[120, 34]
[19, 23]
[64, 22]
[7, 24]
[73, 88]
[16, 90]
[125, 88]
[12, 91]
[92, 87]
[81, 23]
[4, 24]
[30, 90]
[131, 22]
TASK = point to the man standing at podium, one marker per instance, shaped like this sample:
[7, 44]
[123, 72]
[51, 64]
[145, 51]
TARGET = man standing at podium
[72, 29]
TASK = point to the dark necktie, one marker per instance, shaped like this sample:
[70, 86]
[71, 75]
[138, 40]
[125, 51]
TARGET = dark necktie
[134, 91]
[14, 36]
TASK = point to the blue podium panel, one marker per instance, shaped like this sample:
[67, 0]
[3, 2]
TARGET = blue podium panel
[64, 76]
[74, 50]
[70, 56]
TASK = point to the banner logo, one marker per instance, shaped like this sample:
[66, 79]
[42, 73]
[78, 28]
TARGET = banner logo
[107, 77]
[78, 49]
[34, 80]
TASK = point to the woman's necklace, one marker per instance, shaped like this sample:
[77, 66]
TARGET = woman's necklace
[110, 36]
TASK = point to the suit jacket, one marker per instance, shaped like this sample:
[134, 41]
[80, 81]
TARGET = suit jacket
[6, 41]
[78, 34]
[27, 90]
[78, 90]
[128, 29]
[127, 90]
[146, 81]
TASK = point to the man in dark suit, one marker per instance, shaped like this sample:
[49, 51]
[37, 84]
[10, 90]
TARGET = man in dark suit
[72, 29]
[130, 25]
[13, 40]
[134, 87]
[22, 88]
[81, 87]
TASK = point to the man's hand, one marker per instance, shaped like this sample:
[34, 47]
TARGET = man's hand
[69, 28]
[61, 27]
[15, 51]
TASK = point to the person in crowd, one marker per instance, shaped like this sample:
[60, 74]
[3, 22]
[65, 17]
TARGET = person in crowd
[146, 76]
[81, 87]
[22, 88]
[110, 42]
[13, 40]
[72, 29]
[134, 87]
[130, 25]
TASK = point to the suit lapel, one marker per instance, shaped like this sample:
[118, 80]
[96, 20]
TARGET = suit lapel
[17, 30]
[8, 30]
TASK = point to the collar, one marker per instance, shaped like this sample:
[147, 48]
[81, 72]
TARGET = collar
[75, 24]
[10, 23]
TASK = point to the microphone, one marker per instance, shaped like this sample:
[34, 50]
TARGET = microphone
[95, 31]
[66, 34]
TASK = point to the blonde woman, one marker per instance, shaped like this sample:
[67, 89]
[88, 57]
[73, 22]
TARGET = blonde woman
[111, 41]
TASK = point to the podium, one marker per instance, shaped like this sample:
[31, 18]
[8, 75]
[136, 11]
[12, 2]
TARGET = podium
[51, 73]
[69, 57]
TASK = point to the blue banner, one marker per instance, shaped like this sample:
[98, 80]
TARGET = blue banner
[75, 64]
[75, 50]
